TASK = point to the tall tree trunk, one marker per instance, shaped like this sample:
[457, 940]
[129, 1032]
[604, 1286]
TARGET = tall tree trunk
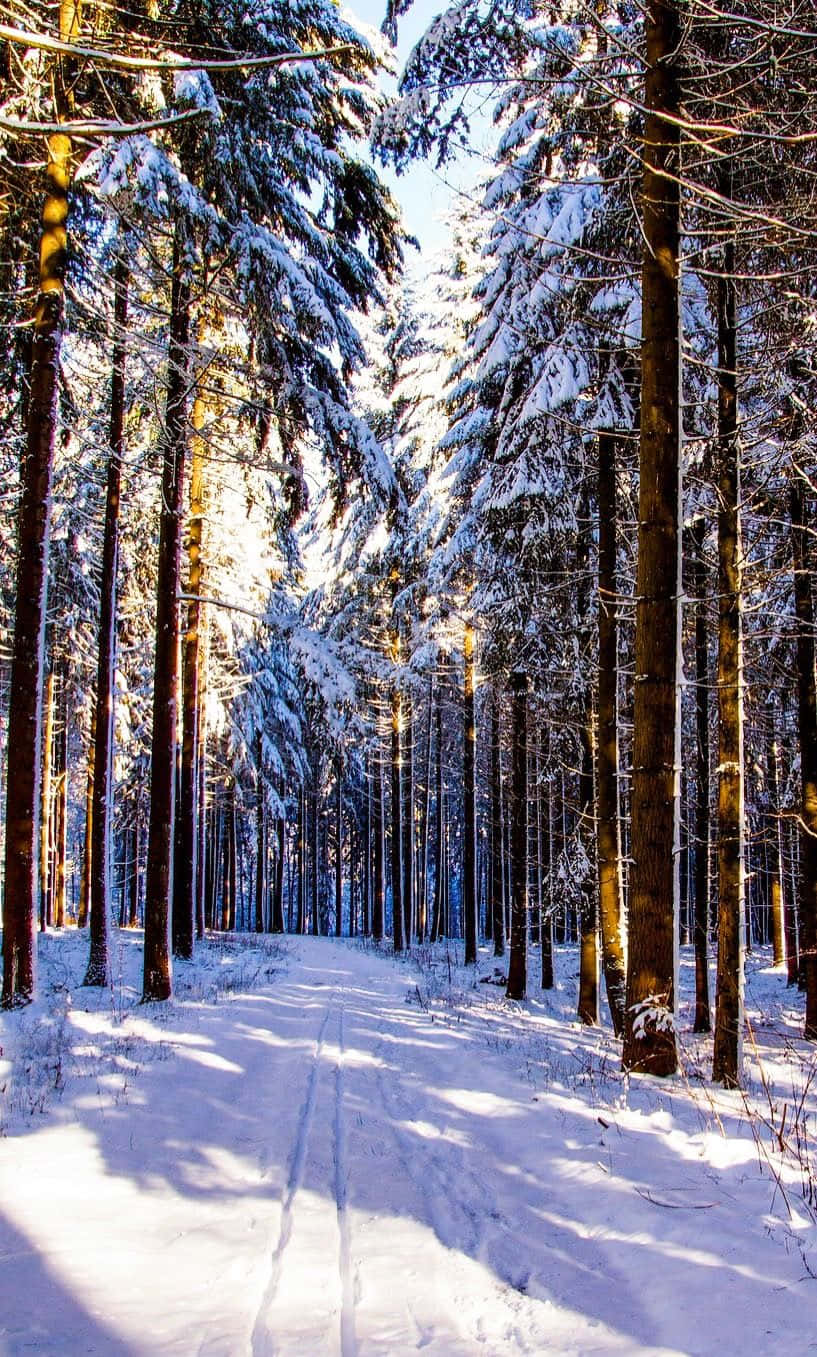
[774, 844]
[649, 1035]
[339, 853]
[278, 887]
[439, 846]
[234, 852]
[47, 797]
[547, 976]
[316, 859]
[609, 828]
[301, 921]
[97, 972]
[85, 883]
[807, 715]
[184, 912]
[261, 839]
[702, 823]
[518, 962]
[368, 848]
[25, 712]
[201, 774]
[588, 1004]
[61, 800]
[157, 964]
[497, 895]
[728, 1042]
[407, 769]
[422, 893]
[469, 802]
[396, 811]
[133, 898]
[379, 878]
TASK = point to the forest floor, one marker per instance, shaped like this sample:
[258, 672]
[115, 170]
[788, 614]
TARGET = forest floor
[315, 1149]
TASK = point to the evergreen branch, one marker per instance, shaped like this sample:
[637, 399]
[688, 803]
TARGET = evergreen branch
[119, 61]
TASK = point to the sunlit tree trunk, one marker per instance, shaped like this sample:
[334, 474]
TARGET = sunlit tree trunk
[518, 962]
[407, 773]
[97, 972]
[261, 839]
[157, 964]
[189, 810]
[649, 1035]
[728, 1042]
[609, 829]
[379, 865]
[25, 711]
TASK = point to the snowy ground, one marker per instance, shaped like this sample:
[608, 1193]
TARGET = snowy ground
[316, 1150]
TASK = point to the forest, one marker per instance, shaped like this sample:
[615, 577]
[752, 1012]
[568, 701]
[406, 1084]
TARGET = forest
[480, 607]
[457, 605]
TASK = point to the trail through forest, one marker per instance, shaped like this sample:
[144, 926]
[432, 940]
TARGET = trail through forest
[354, 1156]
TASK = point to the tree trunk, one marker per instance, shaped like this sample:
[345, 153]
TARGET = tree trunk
[518, 962]
[339, 853]
[61, 801]
[469, 803]
[407, 816]
[184, 916]
[439, 847]
[278, 886]
[547, 976]
[157, 963]
[422, 893]
[25, 712]
[702, 1021]
[774, 843]
[379, 876]
[807, 716]
[47, 798]
[97, 972]
[396, 813]
[728, 1043]
[588, 1004]
[316, 860]
[609, 828]
[497, 895]
[649, 1036]
[85, 884]
[261, 839]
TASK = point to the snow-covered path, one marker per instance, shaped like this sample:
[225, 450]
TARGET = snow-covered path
[332, 1165]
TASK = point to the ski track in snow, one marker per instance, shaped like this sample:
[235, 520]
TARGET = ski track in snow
[326, 1168]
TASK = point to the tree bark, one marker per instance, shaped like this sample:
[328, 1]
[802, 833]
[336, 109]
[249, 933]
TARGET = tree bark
[609, 827]
[469, 802]
[437, 922]
[398, 932]
[649, 1036]
[496, 879]
[61, 800]
[85, 883]
[379, 875]
[261, 838]
[774, 843]
[807, 717]
[339, 852]
[157, 979]
[184, 912]
[47, 800]
[588, 1003]
[518, 962]
[728, 1043]
[25, 711]
[97, 972]
[702, 1020]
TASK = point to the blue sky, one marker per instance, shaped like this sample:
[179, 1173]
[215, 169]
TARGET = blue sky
[423, 193]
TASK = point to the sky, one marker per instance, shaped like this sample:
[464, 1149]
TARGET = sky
[424, 194]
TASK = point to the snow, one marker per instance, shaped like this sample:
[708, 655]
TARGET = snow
[314, 1149]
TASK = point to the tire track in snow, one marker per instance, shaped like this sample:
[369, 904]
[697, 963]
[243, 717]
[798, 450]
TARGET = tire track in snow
[262, 1341]
[348, 1340]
